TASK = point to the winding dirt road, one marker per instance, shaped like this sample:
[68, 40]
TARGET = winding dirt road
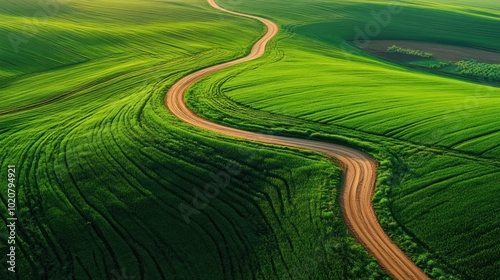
[359, 169]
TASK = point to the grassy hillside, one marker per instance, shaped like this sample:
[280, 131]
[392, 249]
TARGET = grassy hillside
[490, 5]
[438, 135]
[111, 186]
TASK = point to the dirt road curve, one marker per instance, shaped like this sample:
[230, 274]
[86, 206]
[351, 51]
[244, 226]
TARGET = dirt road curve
[359, 169]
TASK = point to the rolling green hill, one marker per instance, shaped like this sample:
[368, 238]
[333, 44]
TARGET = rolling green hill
[111, 186]
[436, 137]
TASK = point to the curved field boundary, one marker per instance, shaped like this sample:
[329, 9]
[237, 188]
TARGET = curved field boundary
[359, 169]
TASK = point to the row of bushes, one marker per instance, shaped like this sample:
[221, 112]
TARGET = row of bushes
[473, 68]
[440, 65]
[396, 49]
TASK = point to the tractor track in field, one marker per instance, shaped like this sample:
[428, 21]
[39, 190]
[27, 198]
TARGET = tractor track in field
[359, 170]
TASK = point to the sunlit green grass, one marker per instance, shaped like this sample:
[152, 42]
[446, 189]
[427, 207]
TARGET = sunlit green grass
[441, 131]
[103, 170]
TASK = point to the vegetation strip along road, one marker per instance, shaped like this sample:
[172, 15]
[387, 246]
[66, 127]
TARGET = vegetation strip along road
[359, 169]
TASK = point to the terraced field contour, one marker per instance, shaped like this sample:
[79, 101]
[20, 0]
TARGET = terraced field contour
[359, 169]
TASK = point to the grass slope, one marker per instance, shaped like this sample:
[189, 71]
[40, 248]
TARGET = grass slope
[438, 133]
[105, 173]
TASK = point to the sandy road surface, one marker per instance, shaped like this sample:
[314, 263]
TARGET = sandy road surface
[359, 169]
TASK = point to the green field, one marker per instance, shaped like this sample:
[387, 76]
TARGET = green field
[439, 136]
[111, 186]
